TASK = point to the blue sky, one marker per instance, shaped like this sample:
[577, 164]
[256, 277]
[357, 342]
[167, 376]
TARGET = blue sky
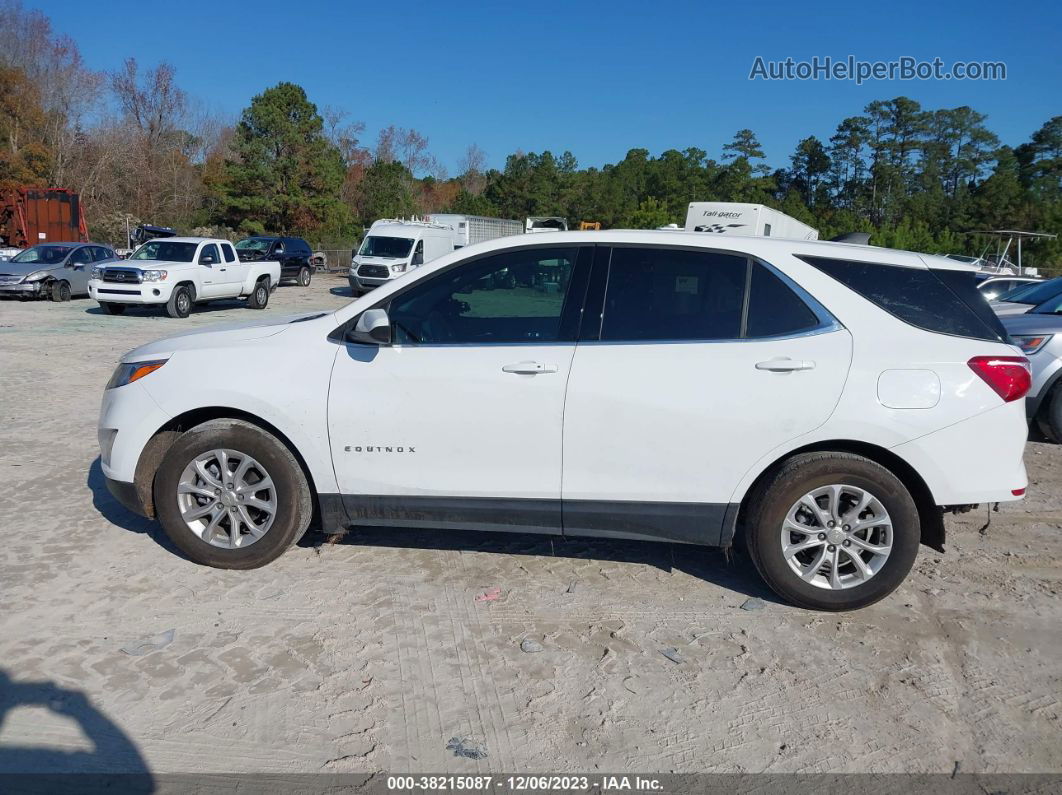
[596, 78]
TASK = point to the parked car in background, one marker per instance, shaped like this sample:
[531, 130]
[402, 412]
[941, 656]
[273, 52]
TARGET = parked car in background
[1021, 299]
[392, 248]
[1039, 335]
[178, 272]
[825, 401]
[995, 286]
[293, 254]
[57, 271]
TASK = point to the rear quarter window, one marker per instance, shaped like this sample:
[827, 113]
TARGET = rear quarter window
[942, 301]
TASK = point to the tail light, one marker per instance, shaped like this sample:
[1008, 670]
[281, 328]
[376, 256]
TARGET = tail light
[1009, 376]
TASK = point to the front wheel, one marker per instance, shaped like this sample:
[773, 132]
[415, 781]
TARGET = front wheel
[180, 303]
[832, 531]
[231, 495]
[1049, 417]
[304, 277]
[259, 297]
[60, 291]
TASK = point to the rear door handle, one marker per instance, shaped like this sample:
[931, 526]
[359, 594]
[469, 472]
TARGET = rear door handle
[785, 365]
[529, 368]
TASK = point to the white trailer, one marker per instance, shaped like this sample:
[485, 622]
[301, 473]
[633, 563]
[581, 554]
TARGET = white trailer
[469, 229]
[734, 218]
[545, 223]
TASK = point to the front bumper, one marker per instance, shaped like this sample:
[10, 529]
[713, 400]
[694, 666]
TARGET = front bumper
[23, 289]
[126, 495]
[117, 293]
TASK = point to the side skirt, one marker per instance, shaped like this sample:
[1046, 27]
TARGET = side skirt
[708, 524]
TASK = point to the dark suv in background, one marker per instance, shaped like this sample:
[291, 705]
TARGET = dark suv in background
[293, 253]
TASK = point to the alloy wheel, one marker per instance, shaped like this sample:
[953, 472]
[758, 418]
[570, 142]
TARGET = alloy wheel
[837, 536]
[227, 499]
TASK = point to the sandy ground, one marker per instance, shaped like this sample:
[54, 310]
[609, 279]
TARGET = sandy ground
[372, 654]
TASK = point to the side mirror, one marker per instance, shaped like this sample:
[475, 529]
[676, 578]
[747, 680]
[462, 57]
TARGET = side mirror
[206, 259]
[372, 328]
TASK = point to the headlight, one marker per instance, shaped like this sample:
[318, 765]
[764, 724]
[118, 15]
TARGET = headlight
[97, 272]
[1031, 343]
[154, 276]
[128, 372]
[398, 268]
[36, 276]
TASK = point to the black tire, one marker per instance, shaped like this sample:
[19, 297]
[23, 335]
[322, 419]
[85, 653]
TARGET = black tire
[259, 297]
[303, 279]
[114, 309]
[1049, 417]
[60, 291]
[180, 303]
[769, 506]
[294, 503]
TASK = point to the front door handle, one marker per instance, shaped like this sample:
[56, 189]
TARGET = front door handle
[785, 365]
[529, 368]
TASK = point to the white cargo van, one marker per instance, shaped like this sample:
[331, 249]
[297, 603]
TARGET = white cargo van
[470, 229]
[734, 218]
[393, 247]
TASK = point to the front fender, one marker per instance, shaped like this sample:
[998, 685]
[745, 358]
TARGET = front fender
[281, 383]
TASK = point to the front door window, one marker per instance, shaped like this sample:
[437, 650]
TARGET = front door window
[517, 296]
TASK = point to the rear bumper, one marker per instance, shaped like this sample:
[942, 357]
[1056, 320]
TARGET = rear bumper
[978, 460]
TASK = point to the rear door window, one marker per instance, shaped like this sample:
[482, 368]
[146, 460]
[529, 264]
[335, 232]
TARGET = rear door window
[943, 301]
[673, 294]
[230, 255]
[774, 309]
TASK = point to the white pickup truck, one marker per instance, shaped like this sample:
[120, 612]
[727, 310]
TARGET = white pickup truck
[177, 272]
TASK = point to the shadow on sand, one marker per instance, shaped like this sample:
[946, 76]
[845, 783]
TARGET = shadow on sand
[733, 571]
[114, 764]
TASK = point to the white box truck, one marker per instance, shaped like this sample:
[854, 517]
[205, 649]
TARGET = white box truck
[734, 218]
[469, 229]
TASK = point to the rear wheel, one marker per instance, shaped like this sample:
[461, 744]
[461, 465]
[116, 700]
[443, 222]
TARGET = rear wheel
[231, 495]
[304, 277]
[1049, 418]
[60, 291]
[180, 303]
[259, 297]
[114, 309]
[833, 531]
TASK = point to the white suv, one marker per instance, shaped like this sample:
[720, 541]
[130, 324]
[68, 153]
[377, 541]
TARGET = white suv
[824, 402]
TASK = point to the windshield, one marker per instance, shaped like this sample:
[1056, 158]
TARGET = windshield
[253, 244]
[1052, 306]
[46, 255]
[962, 258]
[166, 250]
[390, 247]
[1034, 293]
